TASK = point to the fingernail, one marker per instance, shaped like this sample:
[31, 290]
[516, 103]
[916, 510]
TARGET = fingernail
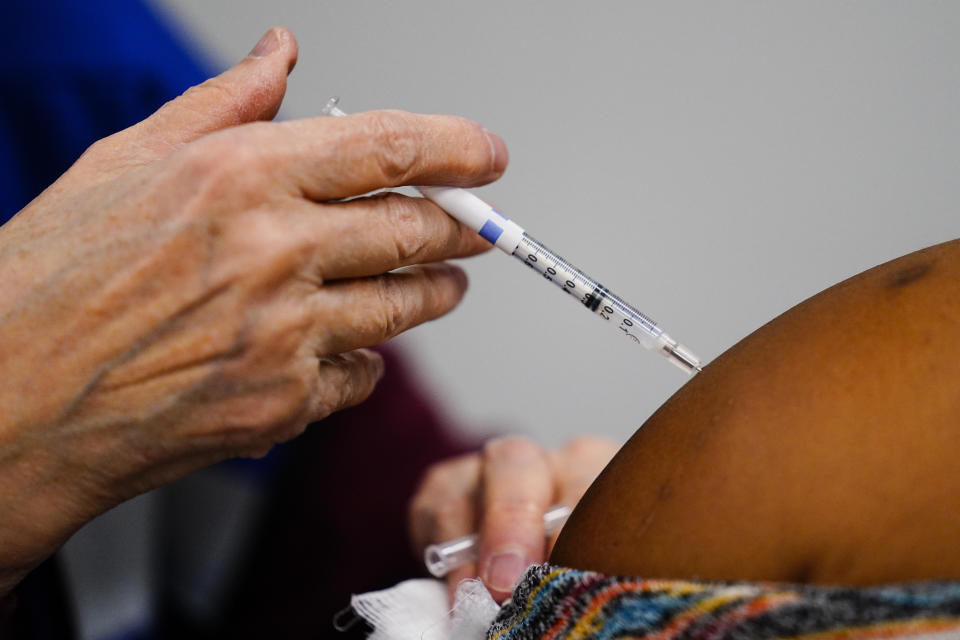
[267, 45]
[504, 568]
[500, 155]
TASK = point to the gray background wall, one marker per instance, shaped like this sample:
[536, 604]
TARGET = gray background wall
[712, 162]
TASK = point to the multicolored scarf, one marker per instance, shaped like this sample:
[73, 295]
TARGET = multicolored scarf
[553, 603]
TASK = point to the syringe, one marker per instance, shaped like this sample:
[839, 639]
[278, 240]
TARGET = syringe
[510, 238]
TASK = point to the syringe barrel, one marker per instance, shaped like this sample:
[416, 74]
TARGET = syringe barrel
[633, 324]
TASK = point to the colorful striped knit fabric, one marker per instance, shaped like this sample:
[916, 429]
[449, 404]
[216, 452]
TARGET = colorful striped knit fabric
[553, 603]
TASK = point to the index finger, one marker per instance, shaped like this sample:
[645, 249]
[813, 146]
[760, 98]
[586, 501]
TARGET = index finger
[518, 488]
[333, 158]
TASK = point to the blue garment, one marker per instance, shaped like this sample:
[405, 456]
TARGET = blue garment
[72, 72]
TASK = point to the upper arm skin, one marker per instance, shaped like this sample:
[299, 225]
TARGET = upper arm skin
[821, 448]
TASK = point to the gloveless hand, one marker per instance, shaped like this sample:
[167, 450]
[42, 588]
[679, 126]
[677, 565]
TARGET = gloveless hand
[502, 493]
[196, 288]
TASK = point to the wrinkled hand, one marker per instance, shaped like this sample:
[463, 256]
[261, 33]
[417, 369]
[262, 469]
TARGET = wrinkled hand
[196, 288]
[503, 493]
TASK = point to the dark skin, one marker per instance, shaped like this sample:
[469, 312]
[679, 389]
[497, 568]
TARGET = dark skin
[823, 448]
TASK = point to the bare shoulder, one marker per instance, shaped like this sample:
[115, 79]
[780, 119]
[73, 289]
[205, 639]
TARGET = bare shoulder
[823, 447]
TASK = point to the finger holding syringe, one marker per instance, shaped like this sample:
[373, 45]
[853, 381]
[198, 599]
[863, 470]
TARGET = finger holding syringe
[511, 238]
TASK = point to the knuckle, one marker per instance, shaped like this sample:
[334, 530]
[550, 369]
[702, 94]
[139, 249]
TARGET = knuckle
[391, 298]
[408, 227]
[346, 385]
[357, 385]
[514, 509]
[303, 390]
[397, 152]
[334, 394]
[271, 252]
[324, 404]
[230, 161]
[346, 390]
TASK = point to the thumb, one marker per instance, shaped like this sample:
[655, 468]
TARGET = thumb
[250, 90]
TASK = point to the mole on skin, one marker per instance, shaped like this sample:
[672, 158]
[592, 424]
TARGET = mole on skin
[910, 274]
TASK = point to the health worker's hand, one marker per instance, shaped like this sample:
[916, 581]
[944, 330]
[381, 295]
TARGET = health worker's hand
[502, 493]
[200, 286]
